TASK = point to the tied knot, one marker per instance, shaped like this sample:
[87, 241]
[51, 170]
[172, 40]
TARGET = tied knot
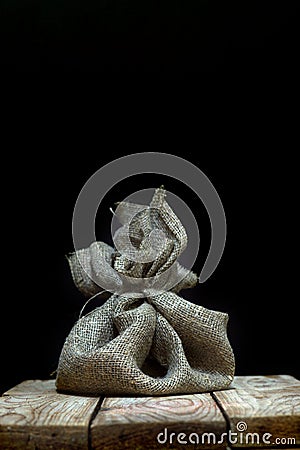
[148, 245]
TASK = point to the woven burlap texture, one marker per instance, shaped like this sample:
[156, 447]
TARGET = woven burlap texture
[153, 344]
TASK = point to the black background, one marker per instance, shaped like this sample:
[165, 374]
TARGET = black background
[242, 129]
[150, 38]
[255, 282]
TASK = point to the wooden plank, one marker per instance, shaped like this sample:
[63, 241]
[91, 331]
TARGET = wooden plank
[34, 416]
[266, 404]
[135, 423]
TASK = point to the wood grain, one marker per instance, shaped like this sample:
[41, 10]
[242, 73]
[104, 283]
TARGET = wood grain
[34, 416]
[134, 423]
[267, 404]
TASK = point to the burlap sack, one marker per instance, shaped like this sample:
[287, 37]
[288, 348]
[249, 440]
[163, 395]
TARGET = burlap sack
[152, 345]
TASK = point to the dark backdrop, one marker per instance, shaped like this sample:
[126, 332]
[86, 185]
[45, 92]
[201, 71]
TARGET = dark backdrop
[168, 39]
[254, 282]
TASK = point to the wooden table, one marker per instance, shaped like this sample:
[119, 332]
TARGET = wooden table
[257, 412]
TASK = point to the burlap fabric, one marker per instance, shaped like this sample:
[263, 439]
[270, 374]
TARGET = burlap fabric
[153, 344]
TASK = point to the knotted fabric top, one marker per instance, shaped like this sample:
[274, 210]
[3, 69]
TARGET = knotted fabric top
[145, 339]
[149, 244]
